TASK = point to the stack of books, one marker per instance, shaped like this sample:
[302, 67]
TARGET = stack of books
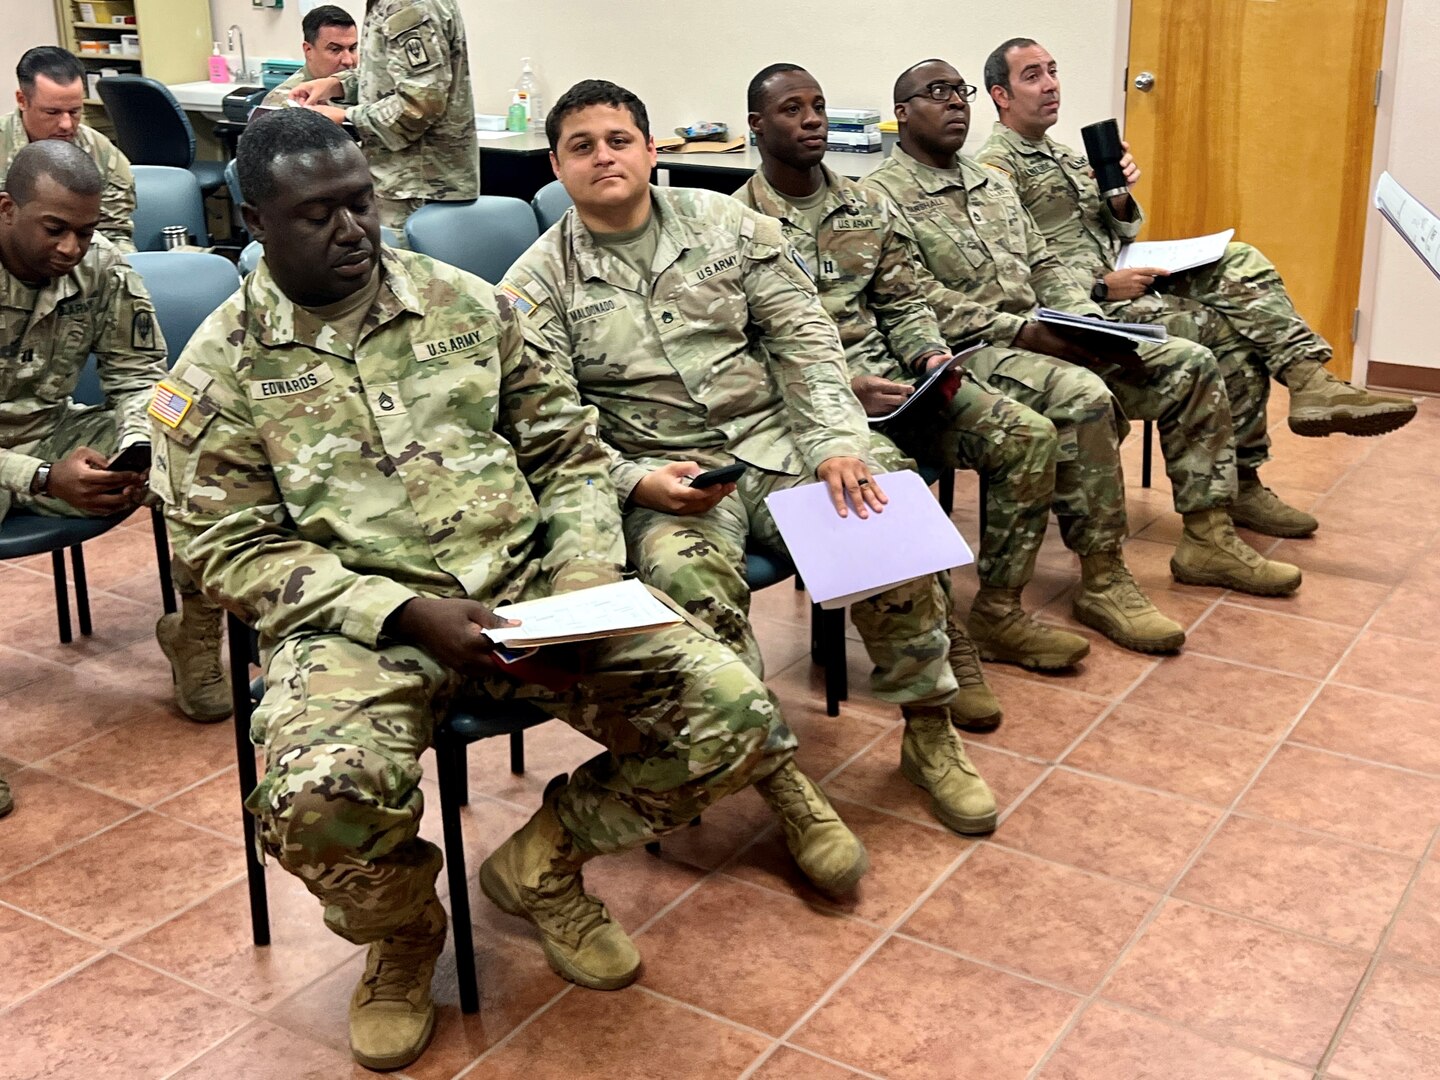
[852, 131]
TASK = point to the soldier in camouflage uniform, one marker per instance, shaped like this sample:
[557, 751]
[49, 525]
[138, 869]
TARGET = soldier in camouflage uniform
[364, 460]
[330, 46]
[51, 101]
[864, 266]
[63, 297]
[1238, 307]
[416, 115]
[694, 329]
[986, 268]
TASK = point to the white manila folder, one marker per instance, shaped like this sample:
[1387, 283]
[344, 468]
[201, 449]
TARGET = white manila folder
[1175, 255]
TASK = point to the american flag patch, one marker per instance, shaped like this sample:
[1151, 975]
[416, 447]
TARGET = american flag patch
[518, 300]
[169, 406]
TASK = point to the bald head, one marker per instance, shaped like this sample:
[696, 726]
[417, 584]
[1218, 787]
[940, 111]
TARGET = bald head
[63, 162]
[914, 78]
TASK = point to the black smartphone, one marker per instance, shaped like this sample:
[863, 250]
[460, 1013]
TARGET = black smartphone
[726, 474]
[134, 458]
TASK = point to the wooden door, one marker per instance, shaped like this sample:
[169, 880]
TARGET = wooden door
[1261, 116]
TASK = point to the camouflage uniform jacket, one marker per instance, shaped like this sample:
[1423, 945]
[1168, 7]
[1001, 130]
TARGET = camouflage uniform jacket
[277, 98]
[117, 201]
[102, 307]
[726, 353]
[1055, 185]
[866, 275]
[318, 488]
[987, 265]
[416, 115]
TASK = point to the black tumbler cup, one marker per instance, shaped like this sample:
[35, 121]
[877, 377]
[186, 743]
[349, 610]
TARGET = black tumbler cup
[1102, 147]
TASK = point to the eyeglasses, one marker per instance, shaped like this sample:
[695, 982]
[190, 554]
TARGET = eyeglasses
[942, 91]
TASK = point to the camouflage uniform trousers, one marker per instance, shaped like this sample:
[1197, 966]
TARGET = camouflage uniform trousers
[1179, 386]
[685, 723]
[699, 560]
[1012, 447]
[95, 427]
[1089, 426]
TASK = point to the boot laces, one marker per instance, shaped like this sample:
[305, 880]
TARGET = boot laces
[939, 746]
[792, 800]
[965, 660]
[1125, 591]
[201, 649]
[570, 912]
[394, 971]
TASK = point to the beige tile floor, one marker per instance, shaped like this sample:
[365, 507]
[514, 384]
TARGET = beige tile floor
[1216, 865]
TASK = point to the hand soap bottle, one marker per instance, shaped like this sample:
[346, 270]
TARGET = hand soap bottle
[219, 69]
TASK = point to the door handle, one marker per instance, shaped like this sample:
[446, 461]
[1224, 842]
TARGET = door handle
[1145, 82]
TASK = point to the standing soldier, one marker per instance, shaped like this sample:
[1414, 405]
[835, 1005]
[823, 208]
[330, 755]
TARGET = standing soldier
[1238, 307]
[864, 267]
[415, 112]
[987, 269]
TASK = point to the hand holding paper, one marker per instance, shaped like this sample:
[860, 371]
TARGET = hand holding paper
[453, 630]
[849, 478]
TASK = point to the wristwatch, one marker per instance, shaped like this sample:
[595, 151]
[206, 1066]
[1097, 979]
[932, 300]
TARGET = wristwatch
[1100, 292]
[41, 480]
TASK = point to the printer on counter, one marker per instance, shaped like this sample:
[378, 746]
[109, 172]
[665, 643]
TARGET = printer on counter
[237, 104]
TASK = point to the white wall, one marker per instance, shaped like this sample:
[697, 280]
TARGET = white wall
[27, 23]
[692, 62]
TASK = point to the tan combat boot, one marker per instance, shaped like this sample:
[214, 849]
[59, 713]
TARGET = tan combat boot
[1321, 404]
[1210, 553]
[190, 639]
[536, 874]
[7, 801]
[391, 1014]
[933, 758]
[1261, 510]
[1111, 602]
[1003, 632]
[974, 706]
[825, 849]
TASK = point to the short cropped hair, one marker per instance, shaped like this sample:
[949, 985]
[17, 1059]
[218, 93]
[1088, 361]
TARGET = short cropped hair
[902, 81]
[590, 92]
[62, 161]
[280, 134]
[57, 64]
[325, 15]
[755, 95]
[997, 64]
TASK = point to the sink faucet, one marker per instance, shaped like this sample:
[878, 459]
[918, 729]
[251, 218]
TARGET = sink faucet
[230, 36]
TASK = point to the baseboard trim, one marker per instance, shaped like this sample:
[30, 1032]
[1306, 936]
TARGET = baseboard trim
[1412, 380]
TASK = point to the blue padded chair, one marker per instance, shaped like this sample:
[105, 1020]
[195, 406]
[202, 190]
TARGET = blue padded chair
[165, 195]
[232, 182]
[467, 721]
[250, 257]
[186, 287]
[483, 236]
[152, 129]
[550, 204]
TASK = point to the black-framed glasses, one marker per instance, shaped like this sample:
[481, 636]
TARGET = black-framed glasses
[941, 91]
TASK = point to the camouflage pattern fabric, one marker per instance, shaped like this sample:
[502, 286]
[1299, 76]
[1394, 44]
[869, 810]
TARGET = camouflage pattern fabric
[989, 268]
[725, 353]
[866, 275]
[277, 97]
[416, 114]
[317, 487]
[46, 336]
[117, 200]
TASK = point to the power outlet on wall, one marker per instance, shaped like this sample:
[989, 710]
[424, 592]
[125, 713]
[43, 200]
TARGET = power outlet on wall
[267, 3]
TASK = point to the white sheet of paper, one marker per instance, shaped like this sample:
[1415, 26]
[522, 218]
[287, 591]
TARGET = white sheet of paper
[1412, 220]
[847, 559]
[1175, 255]
[956, 360]
[603, 611]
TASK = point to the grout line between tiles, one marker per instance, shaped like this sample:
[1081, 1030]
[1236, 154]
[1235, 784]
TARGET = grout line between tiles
[491, 1051]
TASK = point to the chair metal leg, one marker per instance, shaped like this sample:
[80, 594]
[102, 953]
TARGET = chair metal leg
[460, 763]
[62, 594]
[832, 651]
[799, 583]
[82, 589]
[239, 637]
[162, 560]
[517, 752]
[450, 803]
[1147, 455]
[946, 492]
[984, 495]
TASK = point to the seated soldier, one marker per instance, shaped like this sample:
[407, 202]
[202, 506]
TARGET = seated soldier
[1238, 307]
[65, 292]
[50, 101]
[864, 268]
[695, 331]
[986, 270]
[364, 463]
[330, 46]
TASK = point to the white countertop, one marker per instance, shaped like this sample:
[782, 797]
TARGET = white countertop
[203, 97]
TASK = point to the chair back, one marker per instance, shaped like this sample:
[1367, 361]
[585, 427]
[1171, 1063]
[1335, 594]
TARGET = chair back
[250, 257]
[88, 390]
[167, 195]
[186, 287]
[550, 204]
[232, 181]
[150, 126]
[483, 237]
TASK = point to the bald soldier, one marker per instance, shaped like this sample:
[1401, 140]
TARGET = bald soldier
[1238, 307]
[415, 112]
[65, 293]
[987, 269]
[695, 331]
[331, 46]
[50, 102]
[864, 266]
[369, 463]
